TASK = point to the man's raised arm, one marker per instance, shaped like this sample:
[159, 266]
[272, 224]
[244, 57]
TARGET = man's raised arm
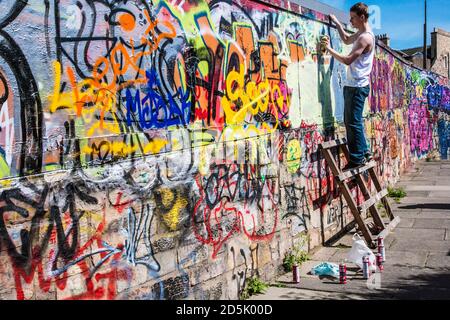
[362, 43]
[346, 38]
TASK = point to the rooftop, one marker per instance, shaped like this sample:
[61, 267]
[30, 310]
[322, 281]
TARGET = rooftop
[414, 51]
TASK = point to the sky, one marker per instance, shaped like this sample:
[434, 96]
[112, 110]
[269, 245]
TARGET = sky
[403, 20]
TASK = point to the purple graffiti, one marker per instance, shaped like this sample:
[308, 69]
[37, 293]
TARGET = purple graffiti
[421, 132]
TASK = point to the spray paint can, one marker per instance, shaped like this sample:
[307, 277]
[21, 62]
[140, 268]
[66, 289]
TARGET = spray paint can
[380, 262]
[323, 47]
[381, 249]
[382, 252]
[380, 241]
[296, 273]
[342, 273]
[372, 269]
[366, 269]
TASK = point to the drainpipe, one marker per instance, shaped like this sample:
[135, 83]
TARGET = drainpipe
[425, 39]
[448, 65]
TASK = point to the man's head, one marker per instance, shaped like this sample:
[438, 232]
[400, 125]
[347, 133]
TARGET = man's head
[359, 15]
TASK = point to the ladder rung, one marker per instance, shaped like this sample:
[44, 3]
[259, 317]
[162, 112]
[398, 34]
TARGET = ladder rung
[372, 201]
[333, 143]
[353, 172]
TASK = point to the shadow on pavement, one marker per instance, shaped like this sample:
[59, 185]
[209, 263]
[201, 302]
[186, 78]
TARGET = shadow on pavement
[431, 286]
[420, 287]
[432, 206]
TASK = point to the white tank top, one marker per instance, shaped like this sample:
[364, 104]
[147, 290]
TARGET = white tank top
[358, 73]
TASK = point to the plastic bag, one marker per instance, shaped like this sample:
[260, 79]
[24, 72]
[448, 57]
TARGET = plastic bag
[326, 269]
[358, 251]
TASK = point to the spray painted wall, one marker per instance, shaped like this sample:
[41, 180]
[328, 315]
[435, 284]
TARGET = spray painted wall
[169, 149]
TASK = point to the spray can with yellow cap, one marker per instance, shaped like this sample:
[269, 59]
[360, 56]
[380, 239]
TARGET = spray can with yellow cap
[323, 43]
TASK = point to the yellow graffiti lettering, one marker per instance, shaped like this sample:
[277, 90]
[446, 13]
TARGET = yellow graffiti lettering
[294, 153]
[155, 146]
[172, 199]
[251, 98]
[117, 148]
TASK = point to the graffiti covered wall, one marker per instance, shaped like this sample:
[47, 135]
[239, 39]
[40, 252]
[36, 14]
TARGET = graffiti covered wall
[169, 149]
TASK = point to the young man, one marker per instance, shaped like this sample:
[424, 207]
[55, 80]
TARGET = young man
[357, 88]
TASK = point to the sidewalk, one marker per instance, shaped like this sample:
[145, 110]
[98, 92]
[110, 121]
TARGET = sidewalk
[417, 251]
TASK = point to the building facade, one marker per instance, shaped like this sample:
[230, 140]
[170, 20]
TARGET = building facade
[440, 49]
[438, 53]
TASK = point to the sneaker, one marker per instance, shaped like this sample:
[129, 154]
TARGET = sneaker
[368, 156]
[352, 165]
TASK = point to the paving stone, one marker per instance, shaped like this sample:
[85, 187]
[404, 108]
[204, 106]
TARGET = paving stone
[406, 178]
[409, 185]
[438, 261]
[354, 286]
[418, 187]
[340, 256]
[430, 223]
[438, 194]
[405, 222]
[434, 214]
[421, 201]
[304, 294]
[420, 245]
[324, 253]
[389, 241]
[441, 172]
[406, 277]
[405, 258]
[345, 241]
[442, 180]
[418, 193]
[419, 234]
[407, 213]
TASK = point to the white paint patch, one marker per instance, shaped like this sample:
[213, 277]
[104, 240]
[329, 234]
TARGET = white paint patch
[7, 132]
[74, 17]
[292, 78]
[310, 107]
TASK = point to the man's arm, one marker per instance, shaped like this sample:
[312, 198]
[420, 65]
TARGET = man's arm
[346, 38]
[361, 44]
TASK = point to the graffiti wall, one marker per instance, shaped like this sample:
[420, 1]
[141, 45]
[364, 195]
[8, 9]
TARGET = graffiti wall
[169, 149]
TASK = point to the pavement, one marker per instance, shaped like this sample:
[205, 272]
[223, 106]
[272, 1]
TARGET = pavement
[417, 251]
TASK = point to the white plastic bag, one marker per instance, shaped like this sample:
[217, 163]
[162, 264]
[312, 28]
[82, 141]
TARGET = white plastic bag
[358, 251]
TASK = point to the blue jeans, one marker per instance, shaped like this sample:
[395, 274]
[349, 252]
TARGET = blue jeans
[354, 106]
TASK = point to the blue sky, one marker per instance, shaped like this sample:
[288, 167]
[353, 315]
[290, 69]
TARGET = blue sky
[403, 19]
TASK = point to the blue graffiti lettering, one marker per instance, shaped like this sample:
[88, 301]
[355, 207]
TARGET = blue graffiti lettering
[154, 110]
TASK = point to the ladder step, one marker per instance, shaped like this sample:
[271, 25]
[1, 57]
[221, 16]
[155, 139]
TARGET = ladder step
[372, 201]
[353, 172]
[333, 143]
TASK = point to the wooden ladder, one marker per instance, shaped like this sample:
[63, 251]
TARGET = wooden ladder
[344, 177]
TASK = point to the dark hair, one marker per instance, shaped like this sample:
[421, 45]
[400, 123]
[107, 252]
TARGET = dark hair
[361, 9]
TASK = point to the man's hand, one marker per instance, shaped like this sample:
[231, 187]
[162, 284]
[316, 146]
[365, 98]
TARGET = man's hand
[324, 43]
[334, 19]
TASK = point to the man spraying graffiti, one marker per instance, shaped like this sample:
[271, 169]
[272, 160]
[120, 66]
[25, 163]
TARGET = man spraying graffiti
[360, 62]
